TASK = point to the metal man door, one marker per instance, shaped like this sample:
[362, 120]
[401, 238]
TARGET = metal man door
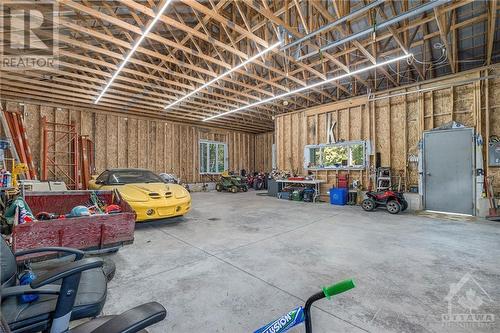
[448, 171]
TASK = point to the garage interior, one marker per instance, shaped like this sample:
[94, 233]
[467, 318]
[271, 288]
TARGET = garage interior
[184, 166]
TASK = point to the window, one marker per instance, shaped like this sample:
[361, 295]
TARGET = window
[357, 155]
[315, 157]
[332, 157]
[344, 155]
[213, 157]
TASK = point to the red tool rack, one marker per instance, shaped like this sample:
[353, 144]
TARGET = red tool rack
[60, 153]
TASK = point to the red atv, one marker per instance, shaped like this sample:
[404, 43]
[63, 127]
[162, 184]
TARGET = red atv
[394, 201]
[250, 180]
[259, 181]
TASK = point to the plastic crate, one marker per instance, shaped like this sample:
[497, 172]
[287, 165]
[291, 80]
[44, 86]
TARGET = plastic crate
[343, 181]
[284, 195]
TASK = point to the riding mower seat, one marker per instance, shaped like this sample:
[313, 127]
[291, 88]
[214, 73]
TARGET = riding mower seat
[35, 316]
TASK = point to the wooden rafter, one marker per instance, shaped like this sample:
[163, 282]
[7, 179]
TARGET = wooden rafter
[195, 41]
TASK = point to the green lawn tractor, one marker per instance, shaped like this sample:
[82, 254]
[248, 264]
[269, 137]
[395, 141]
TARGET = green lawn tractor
[231, 183]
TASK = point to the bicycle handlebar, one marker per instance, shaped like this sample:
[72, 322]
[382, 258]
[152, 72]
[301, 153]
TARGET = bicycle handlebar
[296, 316]
[338, 288]
[328, 292]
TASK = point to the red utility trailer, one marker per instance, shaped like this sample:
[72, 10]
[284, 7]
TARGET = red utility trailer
[94, 232]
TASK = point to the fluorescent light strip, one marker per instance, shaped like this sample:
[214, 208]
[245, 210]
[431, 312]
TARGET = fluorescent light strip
[317, 84]
[137, 44]
[258, 55]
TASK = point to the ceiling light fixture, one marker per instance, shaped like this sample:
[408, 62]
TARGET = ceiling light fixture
[134, 48]
[258, 55]
[357, 71]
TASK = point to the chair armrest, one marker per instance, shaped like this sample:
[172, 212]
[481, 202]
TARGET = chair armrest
[134, 320]
[66, 270]
[51, 289]
[78, 253]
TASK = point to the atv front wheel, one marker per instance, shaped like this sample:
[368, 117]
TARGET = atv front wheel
[244, 188]
[234, 189]
[368, 204]
[393, 207]
[404, 205]
[219, 187]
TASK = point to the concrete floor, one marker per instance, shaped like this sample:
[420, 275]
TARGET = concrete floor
[238, 261]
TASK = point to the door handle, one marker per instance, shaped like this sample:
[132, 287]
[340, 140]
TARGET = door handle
[427, 173]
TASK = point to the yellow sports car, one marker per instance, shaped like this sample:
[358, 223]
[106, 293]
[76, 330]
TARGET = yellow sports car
[145, 192]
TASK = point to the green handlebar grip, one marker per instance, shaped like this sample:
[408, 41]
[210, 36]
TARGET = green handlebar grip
[338, 288]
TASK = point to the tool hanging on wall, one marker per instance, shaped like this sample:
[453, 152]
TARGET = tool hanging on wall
[87, 160]
[494, 211]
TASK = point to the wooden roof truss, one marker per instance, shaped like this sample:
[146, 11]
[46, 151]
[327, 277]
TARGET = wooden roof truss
[196, 41]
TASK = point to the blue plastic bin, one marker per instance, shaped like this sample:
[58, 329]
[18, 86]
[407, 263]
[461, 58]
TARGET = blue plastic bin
[338, 196]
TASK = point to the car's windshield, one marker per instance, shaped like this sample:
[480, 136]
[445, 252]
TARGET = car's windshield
[133, 176]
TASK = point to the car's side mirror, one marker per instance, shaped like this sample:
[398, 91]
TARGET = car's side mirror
[98, 182]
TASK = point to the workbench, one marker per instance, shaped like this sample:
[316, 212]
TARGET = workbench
[316, 183]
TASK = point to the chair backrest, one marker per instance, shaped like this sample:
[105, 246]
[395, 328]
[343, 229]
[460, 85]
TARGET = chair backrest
[8, 265]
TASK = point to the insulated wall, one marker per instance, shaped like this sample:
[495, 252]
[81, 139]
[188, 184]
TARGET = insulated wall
[263, 151]
[393, 125]
[135, 142]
